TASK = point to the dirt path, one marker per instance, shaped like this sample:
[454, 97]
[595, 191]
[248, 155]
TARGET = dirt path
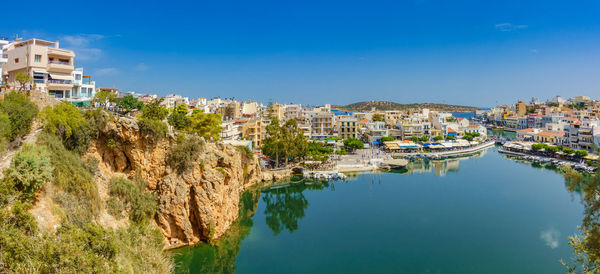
[5, 160]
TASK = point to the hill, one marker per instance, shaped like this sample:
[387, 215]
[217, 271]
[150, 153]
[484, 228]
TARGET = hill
[386, 105]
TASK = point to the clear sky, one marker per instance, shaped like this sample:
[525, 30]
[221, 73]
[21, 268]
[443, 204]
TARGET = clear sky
[475, 52]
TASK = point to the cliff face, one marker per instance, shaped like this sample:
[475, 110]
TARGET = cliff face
[198, 204]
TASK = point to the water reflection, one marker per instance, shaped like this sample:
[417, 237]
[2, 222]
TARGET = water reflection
[284, 206]
[438, 167]
[219, 256]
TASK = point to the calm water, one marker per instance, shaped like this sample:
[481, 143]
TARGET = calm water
[484, 214]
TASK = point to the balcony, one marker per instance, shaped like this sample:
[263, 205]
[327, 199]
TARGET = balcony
[3, 58]
[60, 66]
[59, 83]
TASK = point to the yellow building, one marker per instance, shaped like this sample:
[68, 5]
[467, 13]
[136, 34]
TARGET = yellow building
[521, 108]
[254, 130]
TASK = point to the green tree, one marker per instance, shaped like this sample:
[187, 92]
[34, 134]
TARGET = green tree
[154, 110]
[207, 125]
[104, 98]
[129, 103]
[414, 139]
[581, 153]
[179, 118]
[551, 149]
[438, 138]
[387, 138]
[20, 111]
[23, 79]
[284, 141]
[353, 144]
[63, 119]
[568, 151]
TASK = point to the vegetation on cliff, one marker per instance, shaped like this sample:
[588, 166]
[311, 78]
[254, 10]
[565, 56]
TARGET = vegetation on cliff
[53, 168]
[586, 244]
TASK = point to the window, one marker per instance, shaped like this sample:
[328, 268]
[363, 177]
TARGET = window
[77, 76]
[16, 60]
[39, 77]
[38, 58]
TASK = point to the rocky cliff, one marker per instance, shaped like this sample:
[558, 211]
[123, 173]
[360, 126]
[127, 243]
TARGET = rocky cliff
[198, 204]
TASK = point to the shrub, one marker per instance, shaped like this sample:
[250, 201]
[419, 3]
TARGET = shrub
[20, 113]
[29, 170]
[341, 152]
[62, 119]
[71, 174]
[438, 138]
[387, 138]
[155, 128]
[184, 153]
[141, 204]
[581, 153]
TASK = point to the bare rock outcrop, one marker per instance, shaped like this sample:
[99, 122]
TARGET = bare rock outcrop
[198, 204]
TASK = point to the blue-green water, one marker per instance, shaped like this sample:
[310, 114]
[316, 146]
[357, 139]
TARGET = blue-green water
[484, 214]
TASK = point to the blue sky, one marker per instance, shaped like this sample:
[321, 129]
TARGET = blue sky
[479, 53]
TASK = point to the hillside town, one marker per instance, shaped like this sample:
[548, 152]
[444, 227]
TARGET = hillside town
[45, 67]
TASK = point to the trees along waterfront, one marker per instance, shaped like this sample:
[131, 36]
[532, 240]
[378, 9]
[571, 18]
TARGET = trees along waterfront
[285, 141]
[353, 144]
[586, 244]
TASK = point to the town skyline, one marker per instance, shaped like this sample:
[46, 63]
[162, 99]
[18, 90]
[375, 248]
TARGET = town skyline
[315, 52]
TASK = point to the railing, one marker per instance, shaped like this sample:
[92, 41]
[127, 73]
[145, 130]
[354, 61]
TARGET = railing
[5, 55]
[63, 82]
[59, 62]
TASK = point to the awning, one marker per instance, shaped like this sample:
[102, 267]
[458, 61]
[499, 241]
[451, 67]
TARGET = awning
[58, 76]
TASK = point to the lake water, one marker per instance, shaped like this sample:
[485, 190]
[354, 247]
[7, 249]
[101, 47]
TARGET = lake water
[483, 214]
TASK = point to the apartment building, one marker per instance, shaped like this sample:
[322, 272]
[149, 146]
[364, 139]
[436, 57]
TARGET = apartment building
[392, 116]
[83, 86]
[521, 108]
[376, 130]
[348, 128]
[292, 112]
[3, 56]
[50, 67]
[254, 130]
[322, 124]
[277, 111]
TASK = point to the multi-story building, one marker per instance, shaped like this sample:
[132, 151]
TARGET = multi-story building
[254, 130]
[322, 124]
[49, 66]
[521, 108]
[171, 100]
[3, 56]
[376, 130]
[83, 86]
[348, 128]
[230, 131]
[292, 112]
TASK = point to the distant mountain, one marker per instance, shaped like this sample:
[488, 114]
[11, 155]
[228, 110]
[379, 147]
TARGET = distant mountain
[386, 105]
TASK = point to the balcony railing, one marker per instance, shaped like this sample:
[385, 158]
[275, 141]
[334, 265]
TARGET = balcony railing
[60, 82]
[59, 62]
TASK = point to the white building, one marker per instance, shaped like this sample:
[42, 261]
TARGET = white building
[83, 86]
[3, 56]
